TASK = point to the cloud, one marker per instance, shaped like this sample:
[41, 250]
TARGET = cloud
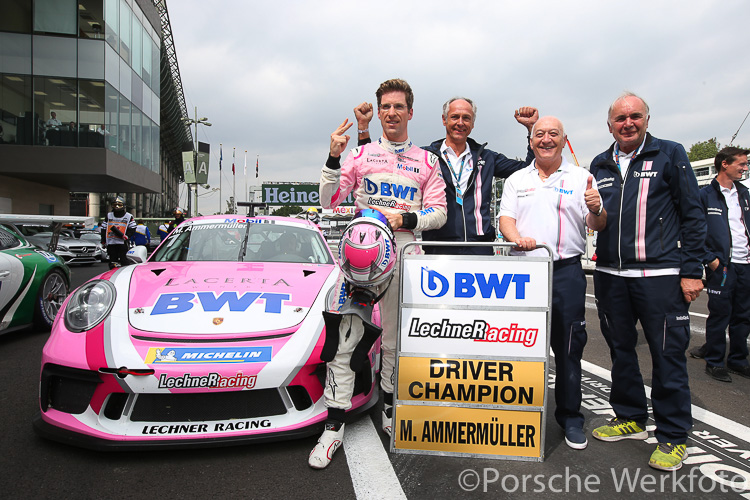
[276, 78]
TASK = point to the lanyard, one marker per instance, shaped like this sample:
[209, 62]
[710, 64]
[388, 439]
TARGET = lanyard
[617, 155]
[460, 172]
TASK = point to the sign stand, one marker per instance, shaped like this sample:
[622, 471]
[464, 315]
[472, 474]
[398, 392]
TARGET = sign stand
[472, 355]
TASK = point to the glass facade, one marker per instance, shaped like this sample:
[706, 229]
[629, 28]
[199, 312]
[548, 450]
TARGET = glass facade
[80, 74]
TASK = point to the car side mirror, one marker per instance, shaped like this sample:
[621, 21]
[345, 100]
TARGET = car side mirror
[138, 254]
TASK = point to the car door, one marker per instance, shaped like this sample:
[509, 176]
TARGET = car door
[11, 268]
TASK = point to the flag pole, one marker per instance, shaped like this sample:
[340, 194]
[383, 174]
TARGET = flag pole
[571, 152]
[234, 185]
[221, 156]
[245, 174]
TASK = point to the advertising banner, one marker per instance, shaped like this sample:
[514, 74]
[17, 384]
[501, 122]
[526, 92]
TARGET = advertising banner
[188, 169]
[201, 169]
[487, 398]
[296, 194]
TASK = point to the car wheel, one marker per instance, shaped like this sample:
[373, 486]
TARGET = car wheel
[52, 294]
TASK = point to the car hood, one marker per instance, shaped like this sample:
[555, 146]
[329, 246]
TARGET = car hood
[224, 297]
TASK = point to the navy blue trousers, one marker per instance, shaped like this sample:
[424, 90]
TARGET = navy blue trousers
[568, 338]
[657, 302]
[728, 290]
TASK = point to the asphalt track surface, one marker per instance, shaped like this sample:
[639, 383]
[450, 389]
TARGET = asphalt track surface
[718, 465]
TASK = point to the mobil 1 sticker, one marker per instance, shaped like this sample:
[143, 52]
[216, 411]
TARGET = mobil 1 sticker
[513, 334]
[495, 283]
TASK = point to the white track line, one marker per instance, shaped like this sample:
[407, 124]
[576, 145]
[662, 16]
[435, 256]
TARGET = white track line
[707, 417]
[371, 470]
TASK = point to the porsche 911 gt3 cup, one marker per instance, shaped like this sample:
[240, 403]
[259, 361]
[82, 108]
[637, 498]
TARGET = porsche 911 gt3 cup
[215, 339]
[33, 281]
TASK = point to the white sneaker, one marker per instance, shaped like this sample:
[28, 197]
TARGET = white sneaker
[328, 443]
[387, 417]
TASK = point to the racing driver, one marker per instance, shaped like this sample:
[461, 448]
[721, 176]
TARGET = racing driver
[405, 183]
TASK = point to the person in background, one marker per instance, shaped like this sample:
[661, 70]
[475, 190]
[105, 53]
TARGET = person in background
[53, 123]
[162, 231]
[726, 202]
[142, 235]
[117, 230]
[179, 218]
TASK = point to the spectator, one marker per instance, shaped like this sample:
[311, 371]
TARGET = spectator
[53, 123]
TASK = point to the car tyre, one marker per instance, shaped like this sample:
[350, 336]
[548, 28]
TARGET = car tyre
[52, 293]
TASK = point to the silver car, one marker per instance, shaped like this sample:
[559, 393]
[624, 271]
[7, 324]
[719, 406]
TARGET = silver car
[71, 250]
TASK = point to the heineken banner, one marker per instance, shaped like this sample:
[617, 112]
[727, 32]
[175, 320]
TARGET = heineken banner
[296, 194]
[201, 169]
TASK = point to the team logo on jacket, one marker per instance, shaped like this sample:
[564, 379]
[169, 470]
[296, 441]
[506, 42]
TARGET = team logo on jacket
[390, 189]
[647, 175]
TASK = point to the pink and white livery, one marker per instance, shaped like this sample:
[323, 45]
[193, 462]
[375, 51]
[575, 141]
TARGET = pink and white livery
[215, 339]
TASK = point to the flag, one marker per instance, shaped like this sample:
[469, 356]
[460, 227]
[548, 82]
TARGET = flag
[233, 161]
[220, 157]
[256, 167]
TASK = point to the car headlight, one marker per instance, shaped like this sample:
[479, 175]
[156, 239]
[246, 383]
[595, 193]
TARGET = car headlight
[62, 247]
[89, 305]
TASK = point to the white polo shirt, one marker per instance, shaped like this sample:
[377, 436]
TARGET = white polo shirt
[740, 250]
[552, 211]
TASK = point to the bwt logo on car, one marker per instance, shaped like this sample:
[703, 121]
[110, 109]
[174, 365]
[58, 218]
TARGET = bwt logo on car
[388, 189]
[465, 285]
[171, 303]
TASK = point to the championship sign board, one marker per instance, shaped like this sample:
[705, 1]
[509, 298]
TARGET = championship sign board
[473, 340]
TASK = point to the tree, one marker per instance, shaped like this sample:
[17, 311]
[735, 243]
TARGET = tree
[287, 210]
[704, 150]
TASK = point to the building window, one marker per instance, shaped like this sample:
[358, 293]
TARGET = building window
[91, 19]
[17, 122]
[91, 108]
[45, 209]
[15, 15]
[55, 56]
[700, 172]
[125, 43]
[111, 117]
[15, 53]
[112, 23]
[55, 102]
[123, 132]
[56, 16]
[91, 59]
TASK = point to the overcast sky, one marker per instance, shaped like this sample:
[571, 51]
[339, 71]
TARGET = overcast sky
[276, 78]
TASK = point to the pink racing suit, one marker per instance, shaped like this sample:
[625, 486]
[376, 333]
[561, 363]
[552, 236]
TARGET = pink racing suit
[396, 178]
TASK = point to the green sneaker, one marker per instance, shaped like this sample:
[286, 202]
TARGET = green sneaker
[618, 429]
[668, 456]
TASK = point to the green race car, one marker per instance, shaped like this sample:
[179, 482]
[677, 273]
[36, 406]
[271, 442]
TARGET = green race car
[33, 282]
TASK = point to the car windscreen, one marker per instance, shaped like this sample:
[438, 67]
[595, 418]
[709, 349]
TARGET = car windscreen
[266, 242]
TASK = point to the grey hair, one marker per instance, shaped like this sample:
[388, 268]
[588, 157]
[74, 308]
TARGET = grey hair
[622, 96]
[449, 101]
[562, 127]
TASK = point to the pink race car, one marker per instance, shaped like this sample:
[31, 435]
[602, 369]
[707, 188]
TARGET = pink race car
[216, 339]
